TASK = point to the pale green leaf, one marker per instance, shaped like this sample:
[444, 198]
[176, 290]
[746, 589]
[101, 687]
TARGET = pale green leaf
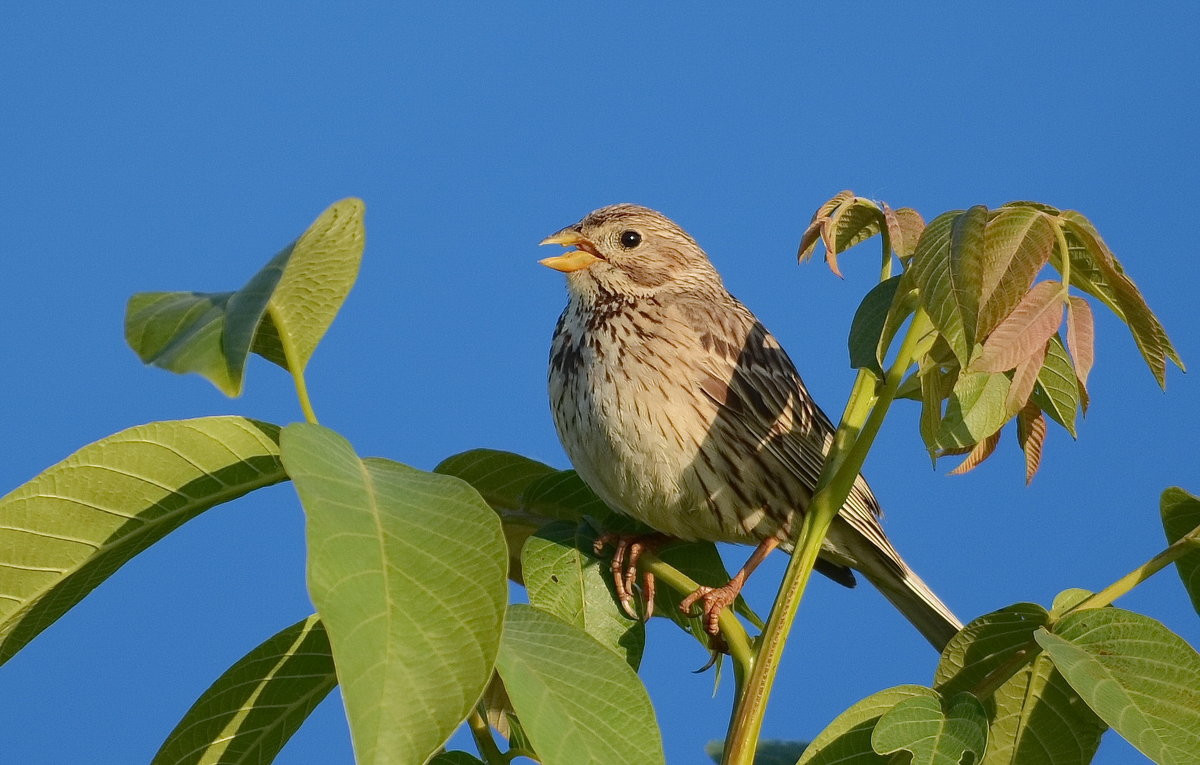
[564, 496]
[1034, 715]
[866, 330]
[252, 710]
[1180, 516]
[281, 313]
[1024, 332]
[1138, 676]
[566, 578]
[72, 526]
[407, 570]
[848, 738]
[1057, 388]
[946, 268]
[1016, 244]
[976, 409]
[938, 731]
[855, 221]
[578, 702]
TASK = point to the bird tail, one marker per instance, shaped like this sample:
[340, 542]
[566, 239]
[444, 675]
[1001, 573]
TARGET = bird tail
[911, 596]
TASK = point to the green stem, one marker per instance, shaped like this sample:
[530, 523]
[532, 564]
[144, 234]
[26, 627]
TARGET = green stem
[731, 629]
[482, 734]
[1182, 546]
[861, 421]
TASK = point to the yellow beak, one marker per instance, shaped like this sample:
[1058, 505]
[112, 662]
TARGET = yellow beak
[575, 260]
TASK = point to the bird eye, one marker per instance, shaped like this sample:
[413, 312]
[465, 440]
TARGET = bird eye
[630, 239]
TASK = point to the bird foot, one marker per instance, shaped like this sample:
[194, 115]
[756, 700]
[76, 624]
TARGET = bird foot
[627, 550]
[712, 601]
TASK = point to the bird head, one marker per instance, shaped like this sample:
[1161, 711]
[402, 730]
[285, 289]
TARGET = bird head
[629, 249]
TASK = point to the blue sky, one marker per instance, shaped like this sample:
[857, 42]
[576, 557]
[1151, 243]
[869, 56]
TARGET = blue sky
[146, 147]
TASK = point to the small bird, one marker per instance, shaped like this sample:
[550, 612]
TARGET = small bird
[678, 408]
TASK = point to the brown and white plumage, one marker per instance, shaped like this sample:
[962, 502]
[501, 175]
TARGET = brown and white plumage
[679, 408]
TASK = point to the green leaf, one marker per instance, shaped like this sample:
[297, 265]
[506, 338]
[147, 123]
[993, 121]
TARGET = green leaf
[1138, 676]
[769, 752]
[1057, 388]
[1016, 244]
[848, 738]
[72, 526]
[855, 221]
[701, 562]
[407, 570]
[456, 758]
[565, 578]
[1024, 332]
[252, 710]
[866, 331]
[297, 293]
[1181, 516]
[1034, 715]
[946, 267]
[564, 496]
[579, 702]
[975, 411]
[936, 731]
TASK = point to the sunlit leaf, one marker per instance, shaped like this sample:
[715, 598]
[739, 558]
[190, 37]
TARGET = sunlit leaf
[1057, 388]
[812, 234]
[564, 496]
[975, 410]
[978, 454]
[946, 268]
[701, 562]
[1023, 379]
[855, 221]
[1017, 243]
[1034, 715]
[566, 578]
[848, 738]
[1081, 337]
[1180, 516]
[579, 702]
[72, 526]
[904, 227]
[1031, 435]
[280, 314]
[1025, 331]
[1138, 676]
[407, 570]
[937, 731]
[252, 710]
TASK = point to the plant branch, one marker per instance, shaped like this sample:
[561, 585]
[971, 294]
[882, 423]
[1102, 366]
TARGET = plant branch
[863, 416]
[482, 734]
[1182, 546]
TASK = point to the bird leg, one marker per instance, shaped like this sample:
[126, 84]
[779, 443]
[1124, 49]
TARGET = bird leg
[715, 599]
[627, 550]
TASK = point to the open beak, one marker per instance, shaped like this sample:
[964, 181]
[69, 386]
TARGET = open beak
[575, 260]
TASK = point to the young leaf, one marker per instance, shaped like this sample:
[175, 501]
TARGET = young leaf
[1180, 516]
[499, 477]
[848, 738]
[252, 710]
[978, 454]
[1081, 338]
[407, 570]
[938, 731]
[866, 330]
[1023, 379]
[812, 234]
[904, 229]
[1138, 676]
[1016, 244]
[280, 314]
[566, 578]
[1024, 332]
[1057, 389]
[76, 523]
[579, 702]
[855, 221]
[1034, 715]
[975, 410]
[946, 268]
[1031, 435]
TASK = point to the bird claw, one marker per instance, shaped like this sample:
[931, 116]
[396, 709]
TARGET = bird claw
[627, 551]
[713, 600]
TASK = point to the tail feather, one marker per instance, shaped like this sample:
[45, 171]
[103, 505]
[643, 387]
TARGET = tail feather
[913, 598]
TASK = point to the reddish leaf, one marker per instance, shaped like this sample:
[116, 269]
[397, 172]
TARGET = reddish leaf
[981, 452]
[1023, 332]
[1081, 335]
[1031, 434]
[946, 270]
[1024, 377]
[904, 230]
[830, 242]
[808, 241]
[1017, 243]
